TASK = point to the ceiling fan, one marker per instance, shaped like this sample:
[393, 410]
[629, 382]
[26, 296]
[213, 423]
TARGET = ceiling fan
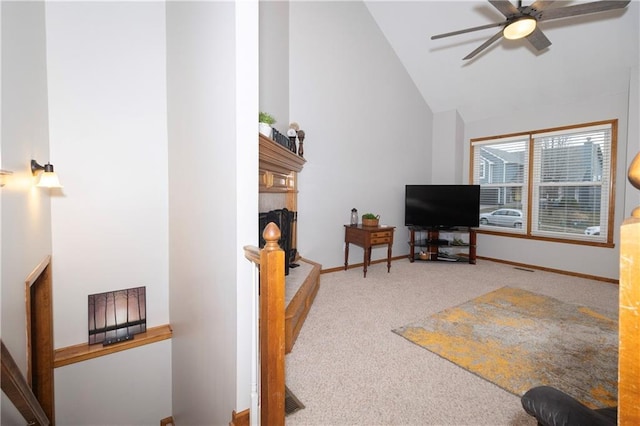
[521, 21]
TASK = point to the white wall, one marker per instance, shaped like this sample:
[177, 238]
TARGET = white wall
[590, 260]
[213, 153]
[26, 210]
[368, 129]
[107, 104]
[274, 61]
[246, 85]
[447, 149]
[118, 389]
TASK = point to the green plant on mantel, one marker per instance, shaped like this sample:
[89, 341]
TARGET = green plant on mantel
[266, 118]
[370, 216]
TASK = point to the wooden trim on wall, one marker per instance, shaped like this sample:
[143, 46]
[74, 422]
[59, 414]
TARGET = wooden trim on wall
[84, 351]
[556, 271]
[240, 419]
[547, 239]
[359, 265]
[39, 324]
[507, 262]
[29, 281]
[167, 421]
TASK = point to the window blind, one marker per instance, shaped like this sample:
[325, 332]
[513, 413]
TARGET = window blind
[571, 179]
[500, 167]
[554, 183]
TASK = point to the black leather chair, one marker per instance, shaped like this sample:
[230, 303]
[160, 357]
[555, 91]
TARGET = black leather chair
[552, 407]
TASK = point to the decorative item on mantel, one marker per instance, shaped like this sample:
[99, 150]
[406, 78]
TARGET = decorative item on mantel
[293, 134]
[281, 139]
[265, 121]
[300, 141]
[292, 140]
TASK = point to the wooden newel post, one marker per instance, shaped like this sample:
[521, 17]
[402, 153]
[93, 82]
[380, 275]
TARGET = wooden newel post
[272, 329]
[271, 235]
[629, 314]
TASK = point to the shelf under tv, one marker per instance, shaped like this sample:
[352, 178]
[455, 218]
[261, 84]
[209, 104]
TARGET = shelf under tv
[430, 244]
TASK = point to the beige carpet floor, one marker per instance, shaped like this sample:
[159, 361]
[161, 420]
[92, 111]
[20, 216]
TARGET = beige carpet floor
[348, 367]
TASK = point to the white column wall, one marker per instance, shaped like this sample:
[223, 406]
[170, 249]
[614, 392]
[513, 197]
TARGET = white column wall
[247, 46]
[213, 158]
[108, 130]
[25, 211]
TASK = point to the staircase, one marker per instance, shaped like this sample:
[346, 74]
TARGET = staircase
[15, 386]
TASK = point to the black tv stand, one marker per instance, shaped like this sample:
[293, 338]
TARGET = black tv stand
[450, 244]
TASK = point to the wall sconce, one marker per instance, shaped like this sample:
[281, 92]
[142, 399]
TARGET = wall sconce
[4, 174]
[48, 178]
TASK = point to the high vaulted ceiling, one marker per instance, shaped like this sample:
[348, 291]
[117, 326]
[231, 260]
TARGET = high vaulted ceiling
[590, 55]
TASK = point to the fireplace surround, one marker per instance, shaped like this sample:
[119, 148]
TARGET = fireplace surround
[278, 185]
[285, 220]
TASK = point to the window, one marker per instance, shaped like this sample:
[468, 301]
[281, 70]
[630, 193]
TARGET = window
[549, 184]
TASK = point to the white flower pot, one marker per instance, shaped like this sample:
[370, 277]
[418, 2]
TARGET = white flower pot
[265, 129]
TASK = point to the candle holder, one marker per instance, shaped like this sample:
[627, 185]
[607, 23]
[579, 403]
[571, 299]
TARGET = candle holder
[300, 144]
[293, 134]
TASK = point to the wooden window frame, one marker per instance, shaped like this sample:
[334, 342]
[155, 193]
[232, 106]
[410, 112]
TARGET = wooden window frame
[527, 203]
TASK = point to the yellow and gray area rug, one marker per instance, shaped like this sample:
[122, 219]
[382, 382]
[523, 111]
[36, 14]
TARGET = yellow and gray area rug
[517, 339]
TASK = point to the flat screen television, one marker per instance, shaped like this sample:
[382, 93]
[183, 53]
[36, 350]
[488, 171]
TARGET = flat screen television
[442, 206]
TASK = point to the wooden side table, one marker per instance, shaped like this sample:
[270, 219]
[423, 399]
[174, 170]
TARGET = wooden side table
[368, 237]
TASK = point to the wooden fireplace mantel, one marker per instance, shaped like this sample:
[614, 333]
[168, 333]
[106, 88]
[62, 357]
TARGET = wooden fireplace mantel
[276, 158]
[278, 170]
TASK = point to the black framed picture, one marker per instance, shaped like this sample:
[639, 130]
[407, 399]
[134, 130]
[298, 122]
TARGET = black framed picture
[115, 316]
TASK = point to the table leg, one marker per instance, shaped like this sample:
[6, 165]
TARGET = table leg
[367, 256]
[346, 255]
[389, 259]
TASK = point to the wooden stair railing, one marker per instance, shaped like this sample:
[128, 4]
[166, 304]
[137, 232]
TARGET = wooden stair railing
[271, 325]
[629, 313]
[15, 386]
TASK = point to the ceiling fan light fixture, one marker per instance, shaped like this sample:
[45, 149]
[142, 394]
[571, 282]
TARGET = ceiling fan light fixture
[519, 28]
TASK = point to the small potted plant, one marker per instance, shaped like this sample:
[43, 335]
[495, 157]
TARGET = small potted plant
[265, 121]
[370, 219]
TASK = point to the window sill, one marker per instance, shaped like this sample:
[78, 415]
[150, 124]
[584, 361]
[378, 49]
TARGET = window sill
[84, 351]
[582, 242]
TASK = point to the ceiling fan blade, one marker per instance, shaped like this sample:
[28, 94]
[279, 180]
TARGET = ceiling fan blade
[467, 30]
[505, 7]
[483, 46]
[541, 4]
[581, 9]
[538, 40]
